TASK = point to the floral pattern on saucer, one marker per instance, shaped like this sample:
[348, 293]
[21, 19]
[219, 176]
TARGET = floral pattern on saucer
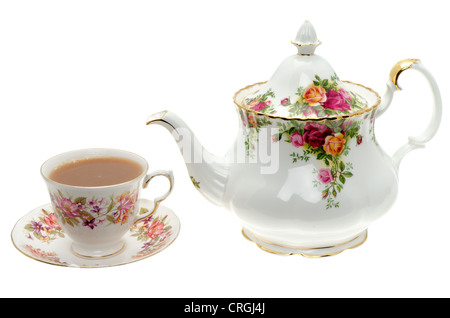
[39, 236]
[44, 227]
[39, 254]
[153, 232]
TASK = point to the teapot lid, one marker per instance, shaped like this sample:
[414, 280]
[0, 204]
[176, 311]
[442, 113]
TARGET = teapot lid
[305, 86]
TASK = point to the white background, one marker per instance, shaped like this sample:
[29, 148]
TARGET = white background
[80, 74]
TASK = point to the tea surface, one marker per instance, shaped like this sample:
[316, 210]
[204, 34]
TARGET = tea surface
[96, 172]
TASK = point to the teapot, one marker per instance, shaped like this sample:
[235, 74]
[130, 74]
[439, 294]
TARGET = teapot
[305, 174]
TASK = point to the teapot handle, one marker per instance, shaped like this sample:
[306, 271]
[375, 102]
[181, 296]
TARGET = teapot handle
[392, 86]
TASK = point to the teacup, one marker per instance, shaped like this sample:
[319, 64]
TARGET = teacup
[97, 217]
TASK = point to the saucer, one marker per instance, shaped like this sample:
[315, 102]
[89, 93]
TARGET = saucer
[39, 237]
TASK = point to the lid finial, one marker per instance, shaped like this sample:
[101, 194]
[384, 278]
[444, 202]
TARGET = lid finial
[305, 87]
[306, 39]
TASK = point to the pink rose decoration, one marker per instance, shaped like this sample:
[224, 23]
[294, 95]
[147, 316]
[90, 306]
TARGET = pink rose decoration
[285, 101]
[337, 100]
[258, 105]
[297, 140]
[325, 176]
[345, 94]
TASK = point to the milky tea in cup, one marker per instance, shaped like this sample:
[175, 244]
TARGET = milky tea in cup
[95, 196]
[96, 172]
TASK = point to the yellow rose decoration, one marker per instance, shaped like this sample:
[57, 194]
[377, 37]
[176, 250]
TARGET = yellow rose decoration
[315, 95]
[334, 145]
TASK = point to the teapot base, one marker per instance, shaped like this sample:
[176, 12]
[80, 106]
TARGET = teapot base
[307, 252]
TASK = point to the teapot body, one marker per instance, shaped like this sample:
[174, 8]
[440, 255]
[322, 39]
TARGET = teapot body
[306, 186]
[310, 185]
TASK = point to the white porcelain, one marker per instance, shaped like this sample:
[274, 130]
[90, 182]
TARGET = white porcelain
[305, 86]
[97, 218]
[308, 179]
[305, 251]
[38, 237]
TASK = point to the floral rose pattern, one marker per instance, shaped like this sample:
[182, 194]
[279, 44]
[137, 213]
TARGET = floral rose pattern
[44, 255]
[45, 228]
[325, 176]
[90, 212]
[334, 145]
[153, 232]
[261, 103]
[315, 134]
[315, 95]
[328, 141]
[337, 100]
[321, 99]
[297, 140]
[253, 124]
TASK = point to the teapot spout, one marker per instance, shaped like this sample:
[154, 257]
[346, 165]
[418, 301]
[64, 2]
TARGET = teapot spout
[208, 173]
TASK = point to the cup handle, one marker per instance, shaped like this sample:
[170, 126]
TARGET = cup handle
[164, 173]
[392, 86]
